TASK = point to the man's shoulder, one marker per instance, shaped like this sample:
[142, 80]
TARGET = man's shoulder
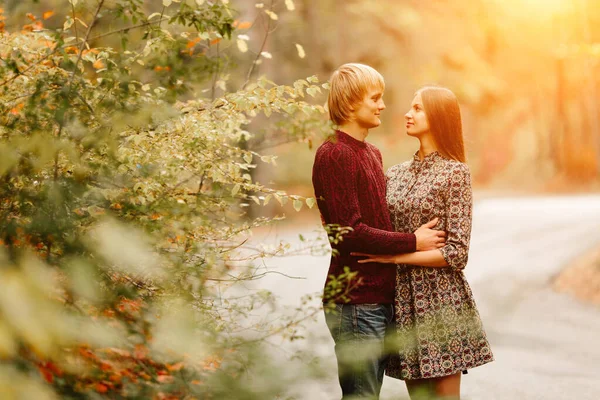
[333, 148]
[373, 147]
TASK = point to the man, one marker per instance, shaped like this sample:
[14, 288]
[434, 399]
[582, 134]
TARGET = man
[349, 185]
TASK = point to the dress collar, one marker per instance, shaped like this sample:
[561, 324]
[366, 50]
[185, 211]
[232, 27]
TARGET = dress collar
[429, 157]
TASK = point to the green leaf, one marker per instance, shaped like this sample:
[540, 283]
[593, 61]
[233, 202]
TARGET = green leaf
[255, 199]
[313, 90]
[282, 199]
[242, 45]
[298, 205]
[300, 49]
[310, 202]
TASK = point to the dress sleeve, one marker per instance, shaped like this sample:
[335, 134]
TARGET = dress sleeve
[459, 207]
[336, 174]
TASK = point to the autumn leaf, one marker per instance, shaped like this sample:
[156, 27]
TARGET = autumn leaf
[46, 373]
[99, 64]
[175, 367]
[165, 378]
[192, 43]
[17, 109]
[140, 352]
[47, 14]
[244, 25]
[50, 44]
[101, 388]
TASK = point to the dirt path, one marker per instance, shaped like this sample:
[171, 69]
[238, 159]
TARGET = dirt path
[545, 343]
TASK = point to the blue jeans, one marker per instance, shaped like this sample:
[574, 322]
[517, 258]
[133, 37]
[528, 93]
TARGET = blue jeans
[361, 333]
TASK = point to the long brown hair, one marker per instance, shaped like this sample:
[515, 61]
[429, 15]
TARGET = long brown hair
[443, 115]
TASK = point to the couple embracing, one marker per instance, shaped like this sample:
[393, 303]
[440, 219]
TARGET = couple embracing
[412, 315]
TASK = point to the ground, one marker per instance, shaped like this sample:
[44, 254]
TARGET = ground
[545, 342]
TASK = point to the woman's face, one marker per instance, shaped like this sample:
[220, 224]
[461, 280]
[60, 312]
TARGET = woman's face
[416, 119]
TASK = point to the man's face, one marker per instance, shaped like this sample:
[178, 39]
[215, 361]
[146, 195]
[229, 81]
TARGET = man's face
[367, 112]
[416, 119]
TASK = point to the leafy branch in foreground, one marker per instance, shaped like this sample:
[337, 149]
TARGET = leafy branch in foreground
[123, 203]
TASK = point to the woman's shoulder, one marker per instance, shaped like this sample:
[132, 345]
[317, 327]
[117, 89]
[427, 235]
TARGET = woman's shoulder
[454, 172]
[454, 166]
[397, 169]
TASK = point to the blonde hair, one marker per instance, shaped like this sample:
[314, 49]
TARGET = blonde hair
[443, 114]
[349, 85]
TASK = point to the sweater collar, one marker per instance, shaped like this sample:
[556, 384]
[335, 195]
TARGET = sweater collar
[345, 138]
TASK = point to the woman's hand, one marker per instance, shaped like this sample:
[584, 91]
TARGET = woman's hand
[378, 258]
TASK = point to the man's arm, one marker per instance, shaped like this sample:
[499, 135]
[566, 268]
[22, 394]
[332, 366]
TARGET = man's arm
[455, 252]
[335, 173]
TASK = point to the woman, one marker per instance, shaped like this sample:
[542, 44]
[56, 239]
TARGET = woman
[440, 332]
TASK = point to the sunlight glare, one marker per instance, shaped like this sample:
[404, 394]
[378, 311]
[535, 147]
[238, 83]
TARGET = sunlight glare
[542, 6]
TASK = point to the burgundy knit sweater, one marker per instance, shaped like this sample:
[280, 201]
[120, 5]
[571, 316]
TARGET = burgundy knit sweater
[350, 189]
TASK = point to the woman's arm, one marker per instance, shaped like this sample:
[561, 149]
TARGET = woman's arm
[429, 258]
[459, 210]
[455, 253]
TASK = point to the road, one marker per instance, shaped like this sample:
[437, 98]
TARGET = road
[545, 344]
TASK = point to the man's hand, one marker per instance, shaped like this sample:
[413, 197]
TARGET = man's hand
[428, 238]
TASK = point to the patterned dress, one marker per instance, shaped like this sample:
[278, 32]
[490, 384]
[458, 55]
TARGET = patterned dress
[439, 329]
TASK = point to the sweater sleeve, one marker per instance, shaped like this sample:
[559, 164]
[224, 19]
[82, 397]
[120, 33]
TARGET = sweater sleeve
[336, 174]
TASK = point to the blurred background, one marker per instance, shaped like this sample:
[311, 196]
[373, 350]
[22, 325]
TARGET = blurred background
[525, 72]
[526, 75]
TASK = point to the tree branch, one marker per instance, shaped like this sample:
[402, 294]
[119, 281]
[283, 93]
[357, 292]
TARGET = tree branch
[158, 21]
[262, 46]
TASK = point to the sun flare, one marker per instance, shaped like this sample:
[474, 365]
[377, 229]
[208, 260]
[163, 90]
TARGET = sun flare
[542, 6]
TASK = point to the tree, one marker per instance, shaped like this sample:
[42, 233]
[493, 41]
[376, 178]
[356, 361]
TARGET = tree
[124, 185]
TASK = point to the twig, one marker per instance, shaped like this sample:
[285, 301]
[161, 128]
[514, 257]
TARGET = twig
[71, 80]
[85, 40]
[19, 73]
[254, 277]
[158, 21]
[262, 46]
[75, 22]
[216, 76]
